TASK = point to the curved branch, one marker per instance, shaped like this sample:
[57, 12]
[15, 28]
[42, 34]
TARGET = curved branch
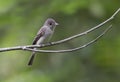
[90, 30]
[60, 41]
[70, 50]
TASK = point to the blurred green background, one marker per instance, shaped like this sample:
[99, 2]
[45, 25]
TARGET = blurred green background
[21, 19]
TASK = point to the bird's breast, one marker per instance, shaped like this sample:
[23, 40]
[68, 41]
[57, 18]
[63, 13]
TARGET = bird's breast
[48, 32]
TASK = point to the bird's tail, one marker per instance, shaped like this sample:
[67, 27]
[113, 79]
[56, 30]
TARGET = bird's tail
[31, 59]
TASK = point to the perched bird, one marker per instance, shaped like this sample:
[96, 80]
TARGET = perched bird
[44, 33]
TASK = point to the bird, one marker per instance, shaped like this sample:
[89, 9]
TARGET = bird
[45, 32]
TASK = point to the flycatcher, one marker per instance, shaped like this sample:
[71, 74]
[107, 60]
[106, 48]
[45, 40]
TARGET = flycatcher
[44, 33]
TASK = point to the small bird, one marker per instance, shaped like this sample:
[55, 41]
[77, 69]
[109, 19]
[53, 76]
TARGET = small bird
[44, 33]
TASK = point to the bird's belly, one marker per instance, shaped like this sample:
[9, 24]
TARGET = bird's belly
[41, 40]
[44, 39]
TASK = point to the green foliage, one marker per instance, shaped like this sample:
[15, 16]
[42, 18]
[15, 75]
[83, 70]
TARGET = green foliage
[20, 21]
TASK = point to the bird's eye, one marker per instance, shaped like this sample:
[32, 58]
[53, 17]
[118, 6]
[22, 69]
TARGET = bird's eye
[50, 23]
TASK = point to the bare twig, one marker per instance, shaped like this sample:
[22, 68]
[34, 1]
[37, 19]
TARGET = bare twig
[60, 41]
[70, 50]
[90, 30]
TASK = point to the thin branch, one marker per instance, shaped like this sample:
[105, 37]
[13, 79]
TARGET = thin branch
[60, 41]
[70, 50]
[90, 30]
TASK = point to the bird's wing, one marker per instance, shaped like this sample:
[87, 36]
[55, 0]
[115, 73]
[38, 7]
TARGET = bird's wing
[40, 33]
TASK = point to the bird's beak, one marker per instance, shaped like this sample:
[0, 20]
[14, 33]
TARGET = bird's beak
[56, 24]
